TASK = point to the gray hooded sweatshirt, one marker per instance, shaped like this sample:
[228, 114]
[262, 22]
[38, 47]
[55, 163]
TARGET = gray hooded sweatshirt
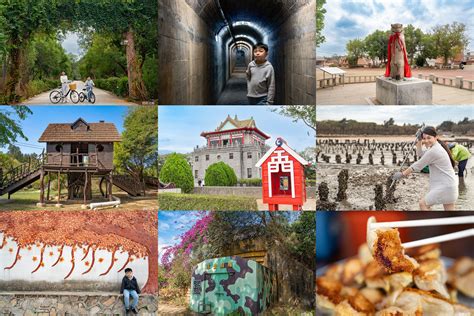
[261, 81]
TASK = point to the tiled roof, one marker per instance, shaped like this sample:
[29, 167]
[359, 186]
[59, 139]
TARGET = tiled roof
[250, 123]
[81, 131]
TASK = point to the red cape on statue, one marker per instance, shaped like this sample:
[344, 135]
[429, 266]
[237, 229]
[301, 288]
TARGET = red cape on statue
[393, 38]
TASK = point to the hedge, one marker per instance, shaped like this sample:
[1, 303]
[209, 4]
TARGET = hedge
[175, 202]
[254, 182]
[37, 86]
[177, 170]
[310, 182]
[118, 86]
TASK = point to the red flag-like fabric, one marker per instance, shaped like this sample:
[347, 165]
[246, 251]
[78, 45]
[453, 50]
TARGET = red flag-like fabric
[392, 39]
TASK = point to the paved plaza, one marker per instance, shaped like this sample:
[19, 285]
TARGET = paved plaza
[359, 93]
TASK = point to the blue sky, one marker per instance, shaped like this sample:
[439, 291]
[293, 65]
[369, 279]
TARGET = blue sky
[430, 115]
[180, 127]
[172, 224]
[350, 19]
[34, 125]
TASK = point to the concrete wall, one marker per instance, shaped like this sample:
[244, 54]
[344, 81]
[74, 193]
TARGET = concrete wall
[184, 55]
[48, 304]
[47, 277]
[255, 192]
[295, 57]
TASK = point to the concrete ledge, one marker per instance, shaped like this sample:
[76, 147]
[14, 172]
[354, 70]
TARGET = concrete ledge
[255, 192]
[413, 91]
[71, 303]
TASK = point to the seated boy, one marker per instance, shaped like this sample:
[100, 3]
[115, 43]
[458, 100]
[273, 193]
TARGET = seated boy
[130, 288]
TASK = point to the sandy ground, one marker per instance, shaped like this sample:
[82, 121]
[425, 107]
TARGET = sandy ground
[362, 180]
[166, 309]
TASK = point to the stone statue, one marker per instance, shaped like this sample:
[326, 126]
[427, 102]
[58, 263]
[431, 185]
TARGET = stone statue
[397, 67]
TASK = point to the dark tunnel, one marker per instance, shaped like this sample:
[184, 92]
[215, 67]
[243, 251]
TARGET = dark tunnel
[205, 46]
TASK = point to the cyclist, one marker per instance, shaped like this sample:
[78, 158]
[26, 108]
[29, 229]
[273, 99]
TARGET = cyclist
[89, 86]
[64, 84]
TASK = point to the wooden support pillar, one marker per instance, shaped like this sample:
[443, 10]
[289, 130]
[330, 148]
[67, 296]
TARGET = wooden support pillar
[42, 187]
[85, 188]
[109, 190]
[59, 187]
[49, 187]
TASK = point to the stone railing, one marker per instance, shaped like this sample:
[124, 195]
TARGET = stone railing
[331, 82]
[456, 82]
[71, 303]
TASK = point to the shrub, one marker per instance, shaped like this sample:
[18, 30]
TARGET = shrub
[118, 86]
[177, 170]
[310, 182]
[173, 201]
[250, 182]
[220, 174]
[38, 86]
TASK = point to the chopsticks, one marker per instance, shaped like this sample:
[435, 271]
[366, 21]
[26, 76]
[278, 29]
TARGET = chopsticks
[372, 224]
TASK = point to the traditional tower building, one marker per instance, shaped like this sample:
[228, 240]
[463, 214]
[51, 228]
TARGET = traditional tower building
[238, 143]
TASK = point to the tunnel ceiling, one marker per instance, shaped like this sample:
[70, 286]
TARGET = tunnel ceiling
[267, 13]
[244, 30]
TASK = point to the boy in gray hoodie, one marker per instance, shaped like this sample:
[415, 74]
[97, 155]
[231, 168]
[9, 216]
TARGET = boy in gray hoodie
[260, 77]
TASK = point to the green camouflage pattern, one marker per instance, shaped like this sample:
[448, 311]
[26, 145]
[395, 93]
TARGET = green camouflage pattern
[231, 285]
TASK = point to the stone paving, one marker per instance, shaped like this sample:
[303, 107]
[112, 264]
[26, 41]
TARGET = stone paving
[359, 93]
[235, 91]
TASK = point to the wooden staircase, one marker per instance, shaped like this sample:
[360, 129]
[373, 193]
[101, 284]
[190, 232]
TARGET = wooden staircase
[21, 176]
[127, 184]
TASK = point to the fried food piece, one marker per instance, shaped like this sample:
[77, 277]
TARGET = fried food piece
[328, 293]
[465, 283]
[361, 304]
[345, 309]
[426, 252]
[389, 253]
[399, 280]
[351, 269]
[375, 276]
[364, 254]
[392, 311]
[375, 296]
[431, 276]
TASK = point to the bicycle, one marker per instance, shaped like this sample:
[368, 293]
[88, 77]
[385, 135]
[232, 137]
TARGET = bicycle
[83, 96]
[57, 95]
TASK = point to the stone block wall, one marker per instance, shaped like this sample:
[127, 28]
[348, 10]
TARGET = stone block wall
[64, 303]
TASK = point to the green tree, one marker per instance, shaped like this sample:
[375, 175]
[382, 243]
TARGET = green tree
[302, 238]
[320, 12]
[138, 150]
[177, 170]
[413, 41]
[355, 50]
[220, 174]
[375, 45]
[48, 58]
[450, 39]
[307, 114]
[10, 128]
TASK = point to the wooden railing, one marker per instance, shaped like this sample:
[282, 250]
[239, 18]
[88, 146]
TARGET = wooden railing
[72, 160]
[17, 173]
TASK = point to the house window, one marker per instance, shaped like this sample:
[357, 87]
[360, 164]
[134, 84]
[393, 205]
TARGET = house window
[231, 155]
[59, 148]
[249, 155]
[249, 173]
[100, 148]
[195, 174]
[196, 158]
[218, 157]
[207, 157]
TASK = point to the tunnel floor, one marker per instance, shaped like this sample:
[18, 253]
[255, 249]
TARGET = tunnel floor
[235, 91]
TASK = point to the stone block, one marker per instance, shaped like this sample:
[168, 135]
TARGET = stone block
[411, 91]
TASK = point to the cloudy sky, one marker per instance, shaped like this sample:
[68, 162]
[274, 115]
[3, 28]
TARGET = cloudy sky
[350, 19]
[430, 115]
[180, 127]
[71, 44]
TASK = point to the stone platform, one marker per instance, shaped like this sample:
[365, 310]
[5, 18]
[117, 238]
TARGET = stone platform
[71, 303]
[411, 91]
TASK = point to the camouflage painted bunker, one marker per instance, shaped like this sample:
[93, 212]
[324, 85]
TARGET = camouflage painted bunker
[227, 285]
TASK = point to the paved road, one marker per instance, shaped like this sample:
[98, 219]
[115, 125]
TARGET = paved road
[102, 98]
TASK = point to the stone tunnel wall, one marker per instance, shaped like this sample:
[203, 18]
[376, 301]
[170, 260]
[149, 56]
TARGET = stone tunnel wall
[185, 73]
[51, 303]
[295, 57]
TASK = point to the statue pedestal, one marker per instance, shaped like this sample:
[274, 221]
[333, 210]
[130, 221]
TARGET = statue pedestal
[411, 91]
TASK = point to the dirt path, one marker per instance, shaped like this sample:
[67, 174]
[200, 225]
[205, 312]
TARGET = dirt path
[165, 309]
[103, 97]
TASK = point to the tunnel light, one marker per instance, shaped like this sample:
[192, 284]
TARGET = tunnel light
[217, 38]
[255, 26]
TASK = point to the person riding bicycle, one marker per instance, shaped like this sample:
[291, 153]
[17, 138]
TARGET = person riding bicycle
[64, 84]
[89, 87]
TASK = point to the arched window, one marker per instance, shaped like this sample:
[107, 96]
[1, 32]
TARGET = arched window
[100, 148]
[59, 148]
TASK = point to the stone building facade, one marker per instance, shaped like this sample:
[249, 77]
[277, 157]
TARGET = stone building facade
[238, 143]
